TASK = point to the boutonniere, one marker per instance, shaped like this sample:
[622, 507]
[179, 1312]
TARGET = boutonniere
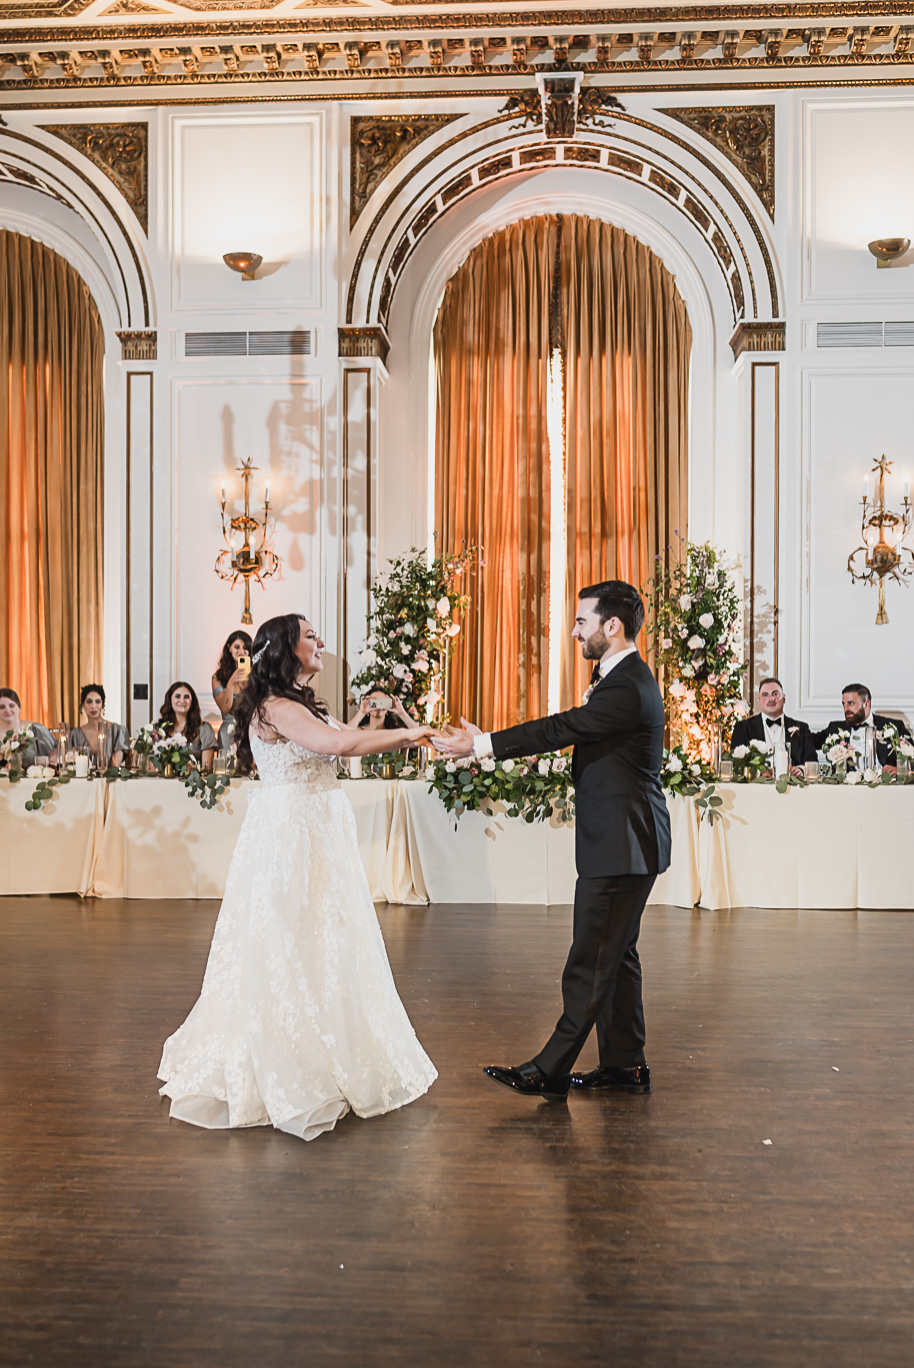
[792, 731]
[587, 692]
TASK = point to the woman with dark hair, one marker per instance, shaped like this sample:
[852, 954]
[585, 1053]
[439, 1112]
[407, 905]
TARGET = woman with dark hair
[107, 741]
[298, 1019]
[229, 680]
[41, 745]
[180, 713]
[378, 711]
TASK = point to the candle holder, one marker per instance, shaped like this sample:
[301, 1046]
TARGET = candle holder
[883, 533]
[247, 555]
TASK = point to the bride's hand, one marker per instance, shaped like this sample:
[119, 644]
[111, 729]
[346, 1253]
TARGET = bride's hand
[416, 736]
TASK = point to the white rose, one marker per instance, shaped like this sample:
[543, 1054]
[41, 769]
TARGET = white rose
[429, 774]
[853, 777]
[741, 752]
[688, 671]
[399, 671]
[763, 746]
[34, 771]
[453, 629]
[706, 620]
[741, 708]
[674, 763]
[685, 602]
[431, 624]
[450, 767]
[543, 766]
[409, 629]
[696, 643]
[487, 763]
[368, 657]
[407, 769]
[696, 769]
[870, 776]
[559, 766]
[405, 648]
[906, 747]
[444, 607]
[678, 689]
[507, 766]
[421, 665]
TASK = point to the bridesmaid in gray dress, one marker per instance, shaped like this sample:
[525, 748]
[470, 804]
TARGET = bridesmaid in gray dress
[42, 744]
[107, 741]
[181, 713]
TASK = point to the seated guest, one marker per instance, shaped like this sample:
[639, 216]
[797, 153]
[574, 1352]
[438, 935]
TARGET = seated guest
[42, 743]
[771, 724]
[379, 712]
[181, 713]
[229, 680]
[107, 741]
[863, 725]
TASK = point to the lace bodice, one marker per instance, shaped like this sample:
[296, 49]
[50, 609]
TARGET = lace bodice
[284, 762]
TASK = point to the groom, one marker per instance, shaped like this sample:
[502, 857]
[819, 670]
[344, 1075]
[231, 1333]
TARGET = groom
[622, 842]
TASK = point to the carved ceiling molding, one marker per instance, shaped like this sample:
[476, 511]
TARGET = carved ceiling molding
[130, 7]
[121, 151]
[759, 337]
[139, 346]
[362, 342]
[377, 142]
[745, 134]
[12, 174]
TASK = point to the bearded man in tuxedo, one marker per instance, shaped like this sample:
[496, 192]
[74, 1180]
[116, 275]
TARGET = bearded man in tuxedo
[622, 842]
[771, 724]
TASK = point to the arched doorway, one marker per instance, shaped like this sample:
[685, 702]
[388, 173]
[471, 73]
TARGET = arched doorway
[561, 359]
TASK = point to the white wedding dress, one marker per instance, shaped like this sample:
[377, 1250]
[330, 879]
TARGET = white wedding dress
[298, 1018]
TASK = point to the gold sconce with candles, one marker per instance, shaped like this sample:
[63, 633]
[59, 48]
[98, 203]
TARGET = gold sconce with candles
[883, 534]
[247, 555]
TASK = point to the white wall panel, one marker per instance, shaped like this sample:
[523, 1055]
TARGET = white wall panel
[852, 415]
[219, 422]
[247, 181]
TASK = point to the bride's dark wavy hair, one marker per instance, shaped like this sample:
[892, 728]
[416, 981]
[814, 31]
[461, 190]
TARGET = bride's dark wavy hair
[274, 674]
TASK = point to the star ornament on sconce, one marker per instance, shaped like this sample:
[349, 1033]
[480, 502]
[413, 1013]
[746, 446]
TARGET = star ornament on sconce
[883, 533]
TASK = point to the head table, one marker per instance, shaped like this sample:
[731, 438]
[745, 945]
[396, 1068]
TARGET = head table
[819, 847]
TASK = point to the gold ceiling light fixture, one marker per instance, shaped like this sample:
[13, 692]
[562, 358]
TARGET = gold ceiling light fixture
[245, 263]
[887, 250]
[883, 533]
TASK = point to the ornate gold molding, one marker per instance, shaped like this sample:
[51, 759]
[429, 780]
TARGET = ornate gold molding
[121, 151]
[745, 134]
[363, 342]
[377, 142]
[121, 7]
[139, 346]
[759, 337]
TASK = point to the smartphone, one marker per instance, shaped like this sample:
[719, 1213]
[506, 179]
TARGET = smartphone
[244, 664]
[379, 705]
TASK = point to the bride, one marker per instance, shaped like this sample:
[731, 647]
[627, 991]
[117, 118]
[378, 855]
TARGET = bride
[298, 1018]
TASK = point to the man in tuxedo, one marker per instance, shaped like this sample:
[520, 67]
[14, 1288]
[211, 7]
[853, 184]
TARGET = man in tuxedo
[622, 842]
[864, 726]
[770, 724]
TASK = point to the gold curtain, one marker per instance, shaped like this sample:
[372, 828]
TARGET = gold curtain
[51, 479]
[628, 342]
[492, 466]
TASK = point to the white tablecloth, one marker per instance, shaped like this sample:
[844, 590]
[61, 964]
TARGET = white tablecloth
[51, 851]
[820, 847]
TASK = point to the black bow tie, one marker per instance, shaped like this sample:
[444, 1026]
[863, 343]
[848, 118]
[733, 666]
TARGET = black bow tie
[595, 675]
[775, 722]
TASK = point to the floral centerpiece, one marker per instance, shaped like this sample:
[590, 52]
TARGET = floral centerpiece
[902, 747]
[412, 626]
[14, 741]
[752, 761]
[536, 788]
[146, 738]
[173, 751]
[690, 778]
[693, 624]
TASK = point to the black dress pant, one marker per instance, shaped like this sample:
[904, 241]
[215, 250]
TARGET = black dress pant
[601, 983]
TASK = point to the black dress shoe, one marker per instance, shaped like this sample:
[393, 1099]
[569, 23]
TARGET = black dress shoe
[608, 1079]
[530, 1080]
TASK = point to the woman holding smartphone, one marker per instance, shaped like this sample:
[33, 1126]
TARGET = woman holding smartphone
[379, 712]
[229, 680]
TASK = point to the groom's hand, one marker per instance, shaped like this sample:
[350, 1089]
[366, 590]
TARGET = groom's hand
[455, 742]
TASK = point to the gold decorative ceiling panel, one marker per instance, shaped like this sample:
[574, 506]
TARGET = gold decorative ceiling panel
[121, 151]
[745, 134]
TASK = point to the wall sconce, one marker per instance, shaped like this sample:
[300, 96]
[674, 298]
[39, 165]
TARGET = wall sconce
[887, 250]
[242, 559]
[883, 534]
[245, 263]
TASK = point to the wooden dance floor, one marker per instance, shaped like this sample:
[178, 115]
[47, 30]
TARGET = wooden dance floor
[473, 1227]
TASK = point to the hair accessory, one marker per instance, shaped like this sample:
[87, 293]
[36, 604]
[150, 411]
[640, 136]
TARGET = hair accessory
[255, 658]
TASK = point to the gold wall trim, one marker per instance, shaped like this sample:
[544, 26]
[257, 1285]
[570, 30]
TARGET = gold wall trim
[132, 377]
[121, 151]
[756, 366]
[369, 341]
[759, 337]
[139, 346]
[377, 143]
[348, 373]
[745, 134]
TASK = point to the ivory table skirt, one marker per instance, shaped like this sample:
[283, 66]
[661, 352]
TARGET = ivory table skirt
[820, 847]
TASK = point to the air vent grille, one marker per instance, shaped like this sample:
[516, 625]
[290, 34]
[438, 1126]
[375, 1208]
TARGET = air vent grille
[849, 334]
[297, 342]
[899, 334]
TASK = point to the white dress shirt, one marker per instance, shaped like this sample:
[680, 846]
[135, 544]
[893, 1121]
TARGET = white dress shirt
[482, 744]
[775, 736]
[863, 740]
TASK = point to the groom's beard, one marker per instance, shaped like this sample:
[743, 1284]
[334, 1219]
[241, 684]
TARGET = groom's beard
[594, 647]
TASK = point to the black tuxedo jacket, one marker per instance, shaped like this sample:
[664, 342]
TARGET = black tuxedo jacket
[621, 821]
[884, 754]
[801, 745]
